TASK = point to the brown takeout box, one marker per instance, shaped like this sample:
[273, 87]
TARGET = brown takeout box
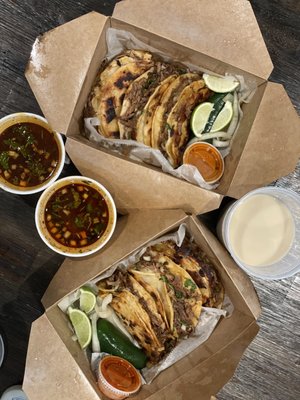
[56, 367]
[222, 36]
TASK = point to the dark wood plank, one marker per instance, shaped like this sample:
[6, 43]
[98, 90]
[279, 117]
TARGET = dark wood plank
[270, 366]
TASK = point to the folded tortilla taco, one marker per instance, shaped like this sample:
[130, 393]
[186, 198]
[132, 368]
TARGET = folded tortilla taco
[206, 278]
[160, 297]
[137, 96]
[137, 322]
[107, 69]
[144, 123]
[139, 310]
[193, 259]
[178, 127]
[167, 102]
[157, 289]
[185, 297]
[106, 98]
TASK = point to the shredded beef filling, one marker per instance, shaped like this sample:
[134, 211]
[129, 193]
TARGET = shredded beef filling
[182, 317]
[169, 105]
[140, 93]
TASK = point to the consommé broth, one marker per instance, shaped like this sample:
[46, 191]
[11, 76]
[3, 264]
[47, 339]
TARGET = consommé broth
[76, 215]
[29, 154]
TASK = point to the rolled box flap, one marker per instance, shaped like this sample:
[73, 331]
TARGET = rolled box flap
[216, 371]
[51, 372]
[226, 30]
[132, 231]
[266, 158]
[136, 186]
[55, 86]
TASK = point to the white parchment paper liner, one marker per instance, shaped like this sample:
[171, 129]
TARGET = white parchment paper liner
[117, 42]
[208, 320]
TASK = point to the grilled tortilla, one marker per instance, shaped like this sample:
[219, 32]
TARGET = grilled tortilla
[150, 305]
[133, 104]
[107, 95]
[167, 102]
[185, 297]
[138, 323]
[206, 278]
[144, 123]
[198, 265]
[191, 258]
[112, 95]
[179, 117]
[160, 297]
[125, 58]
[106, 71]
[157, 289]
[137, 97]
[143, 312]
[167, 248]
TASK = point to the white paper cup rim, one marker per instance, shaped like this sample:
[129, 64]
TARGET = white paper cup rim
[35, 189]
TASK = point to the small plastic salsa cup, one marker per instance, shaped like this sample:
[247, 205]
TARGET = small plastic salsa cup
[117, 378]
[207, 159]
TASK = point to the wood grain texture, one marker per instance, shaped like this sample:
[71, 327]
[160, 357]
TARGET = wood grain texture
[270, 368]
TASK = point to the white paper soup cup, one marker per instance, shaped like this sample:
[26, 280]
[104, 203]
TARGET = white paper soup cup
[75, 216]
[286, 251]
[29, 160]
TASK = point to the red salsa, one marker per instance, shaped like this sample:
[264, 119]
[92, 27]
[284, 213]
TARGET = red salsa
[76, 215]
[118, 379]
[29, 154]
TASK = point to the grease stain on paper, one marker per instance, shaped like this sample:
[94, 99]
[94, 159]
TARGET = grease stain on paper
[36, 58]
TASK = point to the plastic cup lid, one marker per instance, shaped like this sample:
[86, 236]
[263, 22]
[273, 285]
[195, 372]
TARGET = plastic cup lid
[14, 393]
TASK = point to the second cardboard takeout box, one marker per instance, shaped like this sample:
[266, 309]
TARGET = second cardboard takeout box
[56, 367]
[222, 36]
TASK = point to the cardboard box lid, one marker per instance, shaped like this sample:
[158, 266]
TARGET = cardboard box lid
[128, 193]
[277, 153]
[55, 87]
[51, 369]
[223, 29]
[52, 372]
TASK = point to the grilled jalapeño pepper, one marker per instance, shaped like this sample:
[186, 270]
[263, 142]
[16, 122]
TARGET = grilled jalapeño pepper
[113, 341]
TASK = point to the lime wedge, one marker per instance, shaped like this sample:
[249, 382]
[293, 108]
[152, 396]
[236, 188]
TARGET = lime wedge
[81, 325]
[223, 118]
[87, 299]
[200, 117]
[221, 84]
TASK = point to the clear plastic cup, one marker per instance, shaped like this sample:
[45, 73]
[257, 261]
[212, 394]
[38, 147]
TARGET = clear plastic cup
[286, 266]
[14, 393]
[1, 350]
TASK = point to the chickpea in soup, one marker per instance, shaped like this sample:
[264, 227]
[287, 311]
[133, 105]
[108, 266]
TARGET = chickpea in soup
[29, 154]
[76, 215]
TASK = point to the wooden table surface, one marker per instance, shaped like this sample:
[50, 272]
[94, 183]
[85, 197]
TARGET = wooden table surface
[270, 368]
